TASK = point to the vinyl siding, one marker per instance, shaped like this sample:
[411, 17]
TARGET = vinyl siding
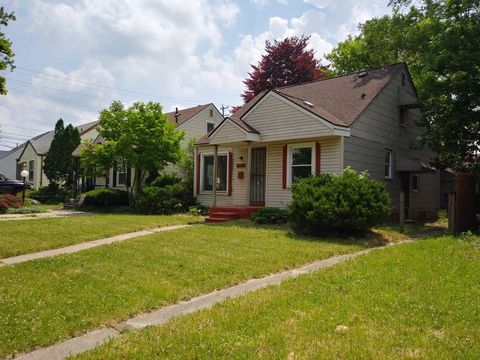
[277, 120]
[196, 127]
[330, 163]
[228, 132]
[39, 179]
[238, 193]
[8, 164]
[378, 128]
[275, 195]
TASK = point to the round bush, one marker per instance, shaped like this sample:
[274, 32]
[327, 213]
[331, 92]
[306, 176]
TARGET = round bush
[106, 198]
[343, 203]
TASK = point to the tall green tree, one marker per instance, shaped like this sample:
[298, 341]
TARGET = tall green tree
[138, 137]
[6, 52]
[440, 41]
[59, 163]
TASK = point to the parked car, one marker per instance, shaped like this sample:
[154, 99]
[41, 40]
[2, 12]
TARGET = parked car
[12, 186]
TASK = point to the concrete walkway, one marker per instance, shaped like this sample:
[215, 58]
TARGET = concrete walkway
[97, 337]
[51, 214]
[85, 245]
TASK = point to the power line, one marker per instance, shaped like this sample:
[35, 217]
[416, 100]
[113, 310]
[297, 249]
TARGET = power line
[97, 86]
[19, 127]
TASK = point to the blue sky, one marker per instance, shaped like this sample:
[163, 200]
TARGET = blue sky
[74, 57]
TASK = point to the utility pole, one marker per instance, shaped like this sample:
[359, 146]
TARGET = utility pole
[223, 108]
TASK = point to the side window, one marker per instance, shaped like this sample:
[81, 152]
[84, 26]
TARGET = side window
[31, 170]
[211, 112]
[301, 162]
[210, 126]
[388, 164]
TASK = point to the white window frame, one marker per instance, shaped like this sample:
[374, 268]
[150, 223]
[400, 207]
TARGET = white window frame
[202, 161]
[390, 175]
[290, 160]
[210, 123]
[418, 183]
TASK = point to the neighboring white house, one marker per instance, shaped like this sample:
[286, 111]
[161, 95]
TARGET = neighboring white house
[32, 154]
[195, 121]
[364, 120]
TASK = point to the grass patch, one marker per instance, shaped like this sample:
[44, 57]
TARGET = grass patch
[20, 237]
[45, 301]
[417, 300]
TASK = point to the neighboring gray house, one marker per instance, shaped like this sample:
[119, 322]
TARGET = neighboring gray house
[364, 120]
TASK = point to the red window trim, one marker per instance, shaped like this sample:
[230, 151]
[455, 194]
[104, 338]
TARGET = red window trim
[317, 158]
[284, 167]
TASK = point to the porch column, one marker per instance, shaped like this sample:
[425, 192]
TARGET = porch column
[247, 173]
[215, 165]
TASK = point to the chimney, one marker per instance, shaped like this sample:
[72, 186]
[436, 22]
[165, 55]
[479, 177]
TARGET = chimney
[176, 115]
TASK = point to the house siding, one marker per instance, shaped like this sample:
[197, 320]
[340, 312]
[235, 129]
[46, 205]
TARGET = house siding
[276, 120]
[196, 127]
[330, 163]
[8, 164]
[378, 128]
[227, 133]
[275, 195]
[238, 191]
[39, 178]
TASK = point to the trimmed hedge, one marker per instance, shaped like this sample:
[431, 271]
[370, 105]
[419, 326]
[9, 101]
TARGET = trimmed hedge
[51, 194]
[164, 200]
[343, 203]
[270, 215]
[106, 198]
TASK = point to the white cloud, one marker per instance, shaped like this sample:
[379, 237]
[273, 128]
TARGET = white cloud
[76, 96]
[227, 12]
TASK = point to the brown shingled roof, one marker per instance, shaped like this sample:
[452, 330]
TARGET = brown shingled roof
[339, 100]
[185, 114]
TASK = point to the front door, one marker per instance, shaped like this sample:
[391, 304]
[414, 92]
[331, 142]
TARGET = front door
[258, 167]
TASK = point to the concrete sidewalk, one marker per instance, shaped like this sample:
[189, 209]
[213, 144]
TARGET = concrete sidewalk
[97, 337]
[51, 214]
[85, 245]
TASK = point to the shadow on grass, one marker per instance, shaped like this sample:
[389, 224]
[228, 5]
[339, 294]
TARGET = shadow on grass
[370, 238]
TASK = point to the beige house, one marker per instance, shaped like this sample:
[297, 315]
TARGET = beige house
[33, 154]
[363, 120]
[195, 121]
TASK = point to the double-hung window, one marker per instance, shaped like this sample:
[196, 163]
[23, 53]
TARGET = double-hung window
[31, 170]
[301, 162]
[388, 164]
[207, 181]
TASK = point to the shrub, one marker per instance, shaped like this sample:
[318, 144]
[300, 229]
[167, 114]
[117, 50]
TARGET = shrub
[270, 215]
[343, 203]
[51, 194]
[106, 198]
[164, 180]
[164, 200]
[198, 210]
[8, 201]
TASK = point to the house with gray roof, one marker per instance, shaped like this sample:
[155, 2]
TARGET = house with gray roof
[363, 120]
[33, 152]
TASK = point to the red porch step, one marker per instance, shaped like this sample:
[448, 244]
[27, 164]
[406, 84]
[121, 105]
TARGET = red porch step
[221, 214]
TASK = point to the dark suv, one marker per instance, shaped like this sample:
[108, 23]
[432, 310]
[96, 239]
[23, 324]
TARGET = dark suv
[12, 186]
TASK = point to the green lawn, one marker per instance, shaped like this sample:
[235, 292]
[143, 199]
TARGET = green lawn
[25, 236]
[44, 301]
[417, 300]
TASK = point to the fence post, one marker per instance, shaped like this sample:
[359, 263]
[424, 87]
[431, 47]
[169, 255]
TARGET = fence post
[451, 213]
[401, 214]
